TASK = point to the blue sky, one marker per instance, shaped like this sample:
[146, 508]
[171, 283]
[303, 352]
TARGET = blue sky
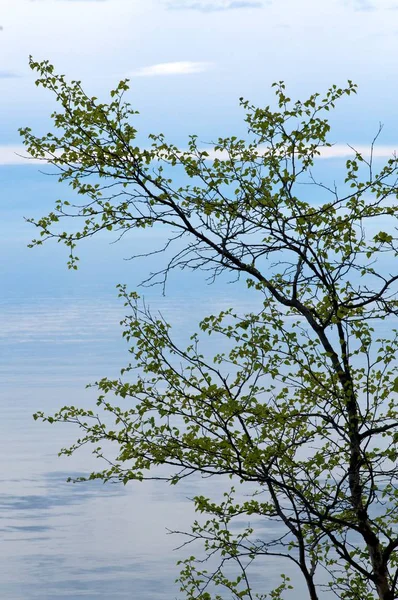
[190, 60]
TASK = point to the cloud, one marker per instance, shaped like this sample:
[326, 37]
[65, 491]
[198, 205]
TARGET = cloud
[213, 5]
[335, 151]
[361, 5]
[8, 75]
[343, 151]
[364, 5]
[17, 155]
[76, 0]
[171, 68]
[369, 5]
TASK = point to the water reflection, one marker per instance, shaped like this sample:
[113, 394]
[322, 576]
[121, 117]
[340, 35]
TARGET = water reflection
[56, 493]
[85, 540]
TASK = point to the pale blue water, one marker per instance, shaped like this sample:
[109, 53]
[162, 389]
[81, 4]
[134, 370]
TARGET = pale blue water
[58, 331]
[60, 540]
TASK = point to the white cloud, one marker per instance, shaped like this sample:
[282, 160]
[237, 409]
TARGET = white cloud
[8, 74]
[335, 151]
[213, 6]
[370, 5]
[17, 155]
[342, 151]
[171, 68]
[364, 5]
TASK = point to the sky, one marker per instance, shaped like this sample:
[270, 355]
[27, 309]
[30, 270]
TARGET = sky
[189, 62]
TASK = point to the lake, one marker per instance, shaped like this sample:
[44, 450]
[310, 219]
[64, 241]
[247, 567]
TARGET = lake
[59, 330]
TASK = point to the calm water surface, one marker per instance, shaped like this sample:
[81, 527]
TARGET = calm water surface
[85, 540]
[59, 330]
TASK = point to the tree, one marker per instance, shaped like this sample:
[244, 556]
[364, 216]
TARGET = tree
[301, 407]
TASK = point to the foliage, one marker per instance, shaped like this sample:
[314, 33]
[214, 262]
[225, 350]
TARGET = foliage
[300, 410]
